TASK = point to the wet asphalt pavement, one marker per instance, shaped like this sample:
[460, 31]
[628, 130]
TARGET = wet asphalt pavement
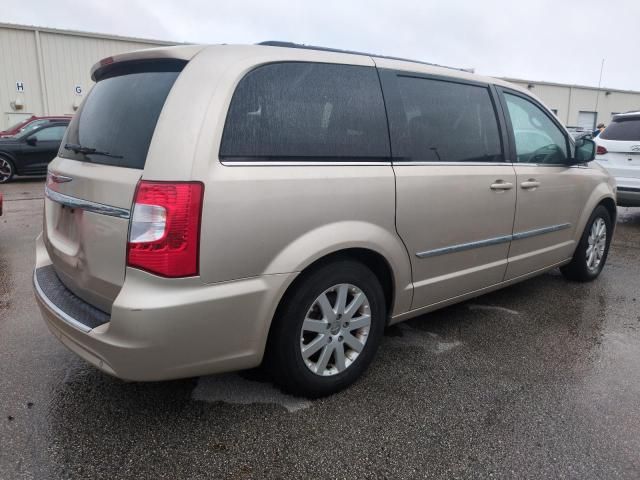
[540, 380]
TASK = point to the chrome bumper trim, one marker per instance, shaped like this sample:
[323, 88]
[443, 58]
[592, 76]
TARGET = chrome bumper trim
[86, 205]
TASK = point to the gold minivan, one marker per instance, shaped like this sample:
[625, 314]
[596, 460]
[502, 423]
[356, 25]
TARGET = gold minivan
[215, 208]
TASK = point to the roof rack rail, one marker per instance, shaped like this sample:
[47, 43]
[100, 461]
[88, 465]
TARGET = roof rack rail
[277, 43]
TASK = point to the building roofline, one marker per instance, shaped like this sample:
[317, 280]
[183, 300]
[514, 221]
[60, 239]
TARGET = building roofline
[557, 84]
[79, 33]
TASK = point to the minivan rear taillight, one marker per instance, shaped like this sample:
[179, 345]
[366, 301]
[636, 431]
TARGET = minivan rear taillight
[164, 234]
[600, 150]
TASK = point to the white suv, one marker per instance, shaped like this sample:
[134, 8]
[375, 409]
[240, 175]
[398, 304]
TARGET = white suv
[618, 150]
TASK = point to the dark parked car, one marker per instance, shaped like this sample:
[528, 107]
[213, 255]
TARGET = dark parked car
[31, 123]
[29, 153]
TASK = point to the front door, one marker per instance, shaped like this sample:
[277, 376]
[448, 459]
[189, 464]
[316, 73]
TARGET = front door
[455, 194]
[40, 148]
[550, 193]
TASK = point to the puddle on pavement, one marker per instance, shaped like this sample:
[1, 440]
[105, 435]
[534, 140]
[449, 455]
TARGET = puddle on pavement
[233, 388]
[406, 335]
[492, 308]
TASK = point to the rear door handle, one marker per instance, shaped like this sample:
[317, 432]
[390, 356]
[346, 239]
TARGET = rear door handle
[501, 185]
[530, 184]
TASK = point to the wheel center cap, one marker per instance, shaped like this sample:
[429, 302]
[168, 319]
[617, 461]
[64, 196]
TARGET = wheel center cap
[335, 326]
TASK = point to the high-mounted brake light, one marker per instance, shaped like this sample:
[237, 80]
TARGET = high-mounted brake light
[600, 150]
[164, 236]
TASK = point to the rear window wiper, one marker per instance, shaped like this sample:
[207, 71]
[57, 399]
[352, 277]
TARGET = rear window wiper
[88, 150]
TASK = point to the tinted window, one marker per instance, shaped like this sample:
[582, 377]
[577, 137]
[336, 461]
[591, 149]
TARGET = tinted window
[119, 116]
[306, 111]
[441, 121]
[623, 129]
[50, 134]
[538, 139]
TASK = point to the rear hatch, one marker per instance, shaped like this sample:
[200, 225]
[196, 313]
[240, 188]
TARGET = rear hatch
[92, 182]
[619, 149]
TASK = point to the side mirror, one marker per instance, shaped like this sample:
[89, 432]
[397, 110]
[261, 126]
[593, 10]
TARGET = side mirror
[585, 150]
[32, 141]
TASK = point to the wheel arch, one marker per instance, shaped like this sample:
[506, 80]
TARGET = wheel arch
[9, 156]
[378, 248]
[372, 259]
[610, 204]
[600, 196]
[11, 160]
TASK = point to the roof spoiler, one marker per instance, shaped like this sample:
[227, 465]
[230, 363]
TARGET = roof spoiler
[183, 53]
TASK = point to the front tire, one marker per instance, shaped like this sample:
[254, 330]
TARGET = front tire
[6, 169]
[327, 330]
[592, 251]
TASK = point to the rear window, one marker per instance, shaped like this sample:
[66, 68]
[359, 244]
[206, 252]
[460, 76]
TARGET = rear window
[120, 113]
[306, 111]
[623, 129]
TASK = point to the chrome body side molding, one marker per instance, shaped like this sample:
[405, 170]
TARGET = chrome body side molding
[491, 241]
[464, 246]
[540, 231]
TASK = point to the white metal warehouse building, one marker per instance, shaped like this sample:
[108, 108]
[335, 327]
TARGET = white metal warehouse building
[44, 71]
[581, 106]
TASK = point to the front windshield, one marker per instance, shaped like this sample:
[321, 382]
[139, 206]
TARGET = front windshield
[30, 127]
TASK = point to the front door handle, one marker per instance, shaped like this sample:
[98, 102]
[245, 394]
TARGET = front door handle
[530, 184]
[501, 185]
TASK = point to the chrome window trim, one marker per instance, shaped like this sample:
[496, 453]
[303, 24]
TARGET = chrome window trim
[228, 163]
[492, 241]
[86, 205]
[64, 316]
[304, 164]
[453, 164]
[542, 164]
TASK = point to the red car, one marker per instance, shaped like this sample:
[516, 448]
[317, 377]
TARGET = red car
[30, 123]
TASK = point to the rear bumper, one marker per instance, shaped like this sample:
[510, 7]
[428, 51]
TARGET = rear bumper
[628, 191]
[161, 329]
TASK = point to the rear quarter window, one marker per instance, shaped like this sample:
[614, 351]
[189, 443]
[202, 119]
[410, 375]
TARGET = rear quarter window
[306, 111]
[623, 129]
[120, 114]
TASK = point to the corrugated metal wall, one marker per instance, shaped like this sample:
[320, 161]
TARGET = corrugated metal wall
[50, 66]
[18, 63]
[76, 55]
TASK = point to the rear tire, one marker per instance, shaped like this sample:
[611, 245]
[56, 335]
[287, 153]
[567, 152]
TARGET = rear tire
[7, 170]
[330, 314]
[592, 251]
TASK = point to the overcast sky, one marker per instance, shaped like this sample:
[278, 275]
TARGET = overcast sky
[553, 40]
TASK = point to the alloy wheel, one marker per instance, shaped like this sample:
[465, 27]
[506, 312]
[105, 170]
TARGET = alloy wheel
[335, 329]
[596, 245]
[6, 170]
